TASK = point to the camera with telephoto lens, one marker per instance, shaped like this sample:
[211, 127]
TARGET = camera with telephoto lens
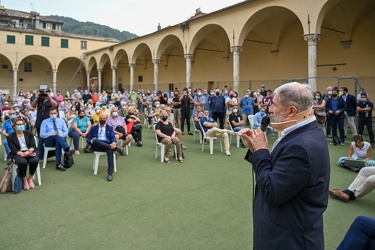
[42, 90]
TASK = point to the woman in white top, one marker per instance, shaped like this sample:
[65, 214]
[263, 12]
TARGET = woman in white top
[359, 150]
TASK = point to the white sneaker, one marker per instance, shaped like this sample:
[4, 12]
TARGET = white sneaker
[77, 152]
[227, 152]
[231, 132]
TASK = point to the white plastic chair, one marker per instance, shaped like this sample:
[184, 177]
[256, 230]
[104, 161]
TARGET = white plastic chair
[121, 142]
[14, 173]
[210, 139]
[162, 148]
[238, 138]
[251, 120]
[81, 142]
[1, 140]
[97, 155]
[196, 131]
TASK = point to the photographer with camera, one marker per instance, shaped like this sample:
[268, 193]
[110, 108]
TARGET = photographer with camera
[186, 99]
[43, 101]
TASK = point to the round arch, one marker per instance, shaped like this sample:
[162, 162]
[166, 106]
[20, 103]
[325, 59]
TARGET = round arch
[170, 41]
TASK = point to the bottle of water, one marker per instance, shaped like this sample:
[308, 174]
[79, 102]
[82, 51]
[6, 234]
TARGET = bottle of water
[366, 115]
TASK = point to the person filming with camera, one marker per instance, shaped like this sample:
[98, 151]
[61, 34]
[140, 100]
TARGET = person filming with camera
[43, 101]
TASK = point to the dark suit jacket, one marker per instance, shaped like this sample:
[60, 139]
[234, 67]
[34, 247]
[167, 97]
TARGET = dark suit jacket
[14, 144]
[110, 135]
[291, 191]
[341, 105]
[351, 105]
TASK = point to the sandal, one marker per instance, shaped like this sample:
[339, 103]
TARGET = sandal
[180, 159]
[31, 183]
[166, 160]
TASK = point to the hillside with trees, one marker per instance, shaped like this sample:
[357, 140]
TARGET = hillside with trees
[92, 29]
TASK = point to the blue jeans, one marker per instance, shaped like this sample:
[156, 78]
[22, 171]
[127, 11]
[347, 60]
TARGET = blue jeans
[75, 136]
[59, 143]
[361, 234]
[6, 146]
[103, 146]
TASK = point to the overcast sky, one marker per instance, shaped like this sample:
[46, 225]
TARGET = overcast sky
[136, 16]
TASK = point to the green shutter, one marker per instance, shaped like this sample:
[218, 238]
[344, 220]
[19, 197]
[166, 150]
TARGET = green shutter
[11, 39]
[29, 40]
[45, 41]
[44, 25]
[64, 43]
[53, 26]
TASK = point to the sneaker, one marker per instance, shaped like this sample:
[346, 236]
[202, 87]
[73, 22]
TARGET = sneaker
[87, 149]
[227, 152]
[120, 151]
[183, 147]
[231, 132]
[331, 143]
[60, 167]
[342, 144]
[77, 152]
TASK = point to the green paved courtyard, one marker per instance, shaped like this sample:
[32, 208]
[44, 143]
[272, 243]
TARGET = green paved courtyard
[204, 203]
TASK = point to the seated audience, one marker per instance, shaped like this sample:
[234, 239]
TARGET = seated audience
[102, 139]
[363, 184]
[24, 152]
[53, 131]
[359, 150]
[167, 135]
[119, 128]
[360, 236]
[135, 124]
[210, 127]
[80, 127]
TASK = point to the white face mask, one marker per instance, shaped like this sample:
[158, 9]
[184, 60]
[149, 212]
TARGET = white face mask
[114, 114]
[235, 110]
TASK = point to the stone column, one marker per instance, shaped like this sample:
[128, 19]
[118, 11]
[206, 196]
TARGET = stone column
[312, 40]
[88, 75]
[156, 73]
[54, 80]
[132, 66]
[114, 68]
[100, 80]
[15, 81]
[236, 67]
[189, 58]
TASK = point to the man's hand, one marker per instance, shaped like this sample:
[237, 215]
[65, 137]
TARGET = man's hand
[254, 139]
[246, 134]
[113, 145]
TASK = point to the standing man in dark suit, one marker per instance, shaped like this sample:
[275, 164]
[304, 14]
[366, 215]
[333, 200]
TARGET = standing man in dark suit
[351, 110]
[102, 138]
[292, 180]
[365, 108]
[335, 107]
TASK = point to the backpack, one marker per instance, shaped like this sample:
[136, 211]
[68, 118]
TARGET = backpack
[68, 160]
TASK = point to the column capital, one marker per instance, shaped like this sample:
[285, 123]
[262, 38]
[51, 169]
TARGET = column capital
[189, 56]
[131, 65]
[236, 49]
[88, 71]
[155, 61]
[113, 67]
[312, 39]
[100, 70]
[55, 71]
[15, 69]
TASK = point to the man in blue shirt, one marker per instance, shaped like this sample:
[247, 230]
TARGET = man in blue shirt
[247, 104]
[217, 106]
[54, 131]
[335, 107]
[210, 127]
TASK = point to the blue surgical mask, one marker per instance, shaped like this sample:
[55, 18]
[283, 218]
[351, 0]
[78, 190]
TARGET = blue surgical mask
[53, 117]
[20, 128]
[235, 95]
[246, 96]
[364, 99]
[73, 109]
[206, 116]
[317, 97]
[12, 116]
[262, 113]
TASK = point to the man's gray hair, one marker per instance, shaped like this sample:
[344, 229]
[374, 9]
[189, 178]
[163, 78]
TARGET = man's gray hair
[296, 94]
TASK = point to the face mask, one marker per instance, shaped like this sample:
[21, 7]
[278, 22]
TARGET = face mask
[114, 114]
[212, 93]
[205, 92]
[164, 118]
[53, 116]
[157, 105]
[17, 111]
[102, 122]
[199, 93]
[217, 93]
[89, 106]
[334, 95]
[12, 116]
[231, 96]
[73, 109]
[329, 93]
[341, 93]
[6, 105]
[206, 116]
[98, 111]
[81, 116]
[131, 113]
[235, 110]
[225, 92]
[262, 113]
[27, 105]
[20, 128]
[363, 99]
[246, 96]
[317, 97]
[235, 95]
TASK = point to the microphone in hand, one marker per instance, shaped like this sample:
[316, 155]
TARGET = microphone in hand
[265, 123]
